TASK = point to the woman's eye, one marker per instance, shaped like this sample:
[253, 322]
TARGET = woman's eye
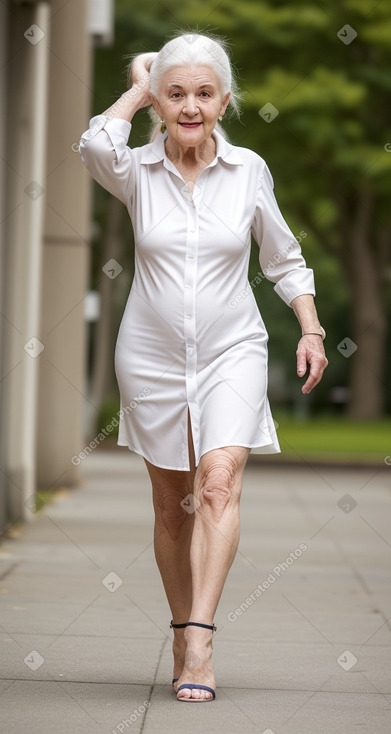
[177, 95]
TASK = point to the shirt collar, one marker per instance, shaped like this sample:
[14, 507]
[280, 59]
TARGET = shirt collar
[154, 152]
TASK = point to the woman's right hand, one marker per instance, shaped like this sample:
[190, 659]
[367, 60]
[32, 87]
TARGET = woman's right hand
[138, 96]
[140, 70]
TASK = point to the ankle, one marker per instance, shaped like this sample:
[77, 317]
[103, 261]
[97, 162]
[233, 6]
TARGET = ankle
[178, 643]
[197, 636]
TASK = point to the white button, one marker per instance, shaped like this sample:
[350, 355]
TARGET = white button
[193, 229]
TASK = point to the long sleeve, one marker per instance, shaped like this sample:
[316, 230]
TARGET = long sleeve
[280, 254]
[105, 153]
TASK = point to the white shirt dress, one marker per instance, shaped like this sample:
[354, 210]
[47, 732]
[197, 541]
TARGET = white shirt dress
[191, 336]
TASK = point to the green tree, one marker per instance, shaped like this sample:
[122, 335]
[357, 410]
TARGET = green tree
[326, 69]
[331, 89]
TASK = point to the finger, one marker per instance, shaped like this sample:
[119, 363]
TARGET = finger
[301, 362]
[149, 61]
[317, 367]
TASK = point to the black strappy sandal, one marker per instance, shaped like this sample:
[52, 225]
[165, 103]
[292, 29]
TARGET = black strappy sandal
[195, 685]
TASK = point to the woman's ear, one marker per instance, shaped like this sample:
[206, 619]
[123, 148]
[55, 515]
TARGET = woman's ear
[156, 106]
[224, 103]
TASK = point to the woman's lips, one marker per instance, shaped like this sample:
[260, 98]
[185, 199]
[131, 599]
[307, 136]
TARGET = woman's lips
[190, 124]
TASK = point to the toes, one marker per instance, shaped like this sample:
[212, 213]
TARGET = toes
[188, 693]
[198, 693]
[185, 693]
[204, 695]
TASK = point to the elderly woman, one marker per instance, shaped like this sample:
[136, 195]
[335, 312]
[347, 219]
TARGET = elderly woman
[191, 351]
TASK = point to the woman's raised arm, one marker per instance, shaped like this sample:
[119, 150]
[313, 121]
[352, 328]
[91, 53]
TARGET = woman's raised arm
[138, 96]
[103, 147]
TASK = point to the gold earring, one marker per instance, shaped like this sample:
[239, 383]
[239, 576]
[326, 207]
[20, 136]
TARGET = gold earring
[163, 127]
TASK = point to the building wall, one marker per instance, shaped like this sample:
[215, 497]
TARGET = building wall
[44, 202]
[3, 88]
[62, 391]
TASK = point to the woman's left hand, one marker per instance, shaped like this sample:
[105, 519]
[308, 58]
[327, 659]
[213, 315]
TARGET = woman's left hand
[310, 351]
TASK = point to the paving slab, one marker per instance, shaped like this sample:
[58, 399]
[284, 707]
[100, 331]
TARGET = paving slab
[85, 644]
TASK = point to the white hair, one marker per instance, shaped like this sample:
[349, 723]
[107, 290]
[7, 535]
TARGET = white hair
[193, 48]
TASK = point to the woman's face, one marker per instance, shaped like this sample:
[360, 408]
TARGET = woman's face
[190, 101]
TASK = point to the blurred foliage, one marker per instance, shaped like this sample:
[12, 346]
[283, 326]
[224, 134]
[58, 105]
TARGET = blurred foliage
[323, 438]
[328, 439]
[333, 123]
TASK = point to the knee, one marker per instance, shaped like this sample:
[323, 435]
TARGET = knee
[168, 503]
[218, 485]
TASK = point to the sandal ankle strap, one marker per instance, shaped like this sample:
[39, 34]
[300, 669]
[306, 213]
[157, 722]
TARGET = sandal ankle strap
[193, 624]
[205, 626]
[177, 626]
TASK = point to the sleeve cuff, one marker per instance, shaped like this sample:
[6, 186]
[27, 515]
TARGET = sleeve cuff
[114, 126]
[117, 129]
[296, 283]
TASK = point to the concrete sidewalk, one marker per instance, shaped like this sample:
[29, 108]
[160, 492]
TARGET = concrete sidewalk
[303, 641]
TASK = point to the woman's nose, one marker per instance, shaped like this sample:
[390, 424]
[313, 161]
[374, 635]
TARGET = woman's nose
[190, 106]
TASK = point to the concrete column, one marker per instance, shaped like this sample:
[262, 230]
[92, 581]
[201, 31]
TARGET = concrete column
[66, 252]
[3, 174]
[26, 71]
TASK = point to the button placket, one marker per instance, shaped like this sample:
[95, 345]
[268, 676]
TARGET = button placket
[190, 280]
[189, 299]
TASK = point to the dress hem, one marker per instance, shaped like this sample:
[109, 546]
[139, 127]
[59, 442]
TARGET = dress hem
[160, 466]
[221, 446]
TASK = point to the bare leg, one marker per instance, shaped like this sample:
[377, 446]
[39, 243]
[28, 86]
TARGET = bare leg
[215, 538]
[172, 539]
